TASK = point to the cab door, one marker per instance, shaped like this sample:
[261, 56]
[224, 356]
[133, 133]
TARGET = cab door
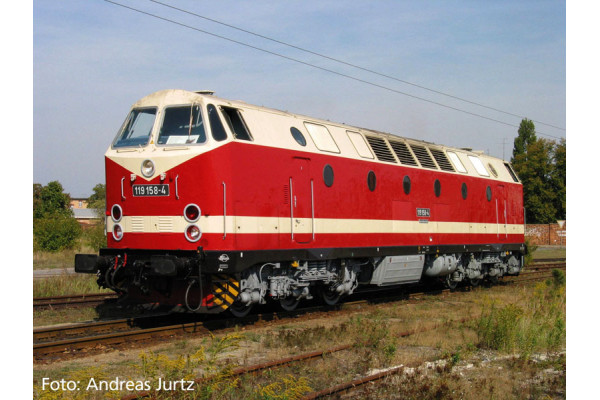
[301, 201]
[501, 213]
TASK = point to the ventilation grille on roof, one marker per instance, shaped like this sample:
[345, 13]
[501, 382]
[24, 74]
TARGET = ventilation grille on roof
[380, 148]
[423, 156]
[403, 153]
[441, 159]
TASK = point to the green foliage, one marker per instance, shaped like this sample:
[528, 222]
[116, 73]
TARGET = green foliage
[54, 227]
[373, 335]
[525, 138]
[541, 167]
[559, 178]
[55, 232]
[499, 328]
[537, 326]
[97, 200]
[95, 237]
[558, 278]
[531, 248]
[50, 200]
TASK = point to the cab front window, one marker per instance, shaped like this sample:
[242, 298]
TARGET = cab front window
[137, 128]
[182, 125]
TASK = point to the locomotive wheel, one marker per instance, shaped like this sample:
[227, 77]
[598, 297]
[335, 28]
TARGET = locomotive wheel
[330, 298]
[240, 310]
[451, 284]
[289, 303]
[475, 282]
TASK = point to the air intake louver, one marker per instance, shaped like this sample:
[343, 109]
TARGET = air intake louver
[380, 148]
[403, 153]
[442, 159]
[423, 156]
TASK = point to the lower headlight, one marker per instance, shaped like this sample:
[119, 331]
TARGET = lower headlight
[117, 232]
[193, 233]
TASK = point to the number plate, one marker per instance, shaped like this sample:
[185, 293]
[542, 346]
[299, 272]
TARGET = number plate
[150, 190]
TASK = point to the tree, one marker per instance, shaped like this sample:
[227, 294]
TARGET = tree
[37, 198]
[541, 167]
[56, 232]
[95, 236]
[54, 227]
[50, 199]
[559, 178]
[525, 138]
[97, 200]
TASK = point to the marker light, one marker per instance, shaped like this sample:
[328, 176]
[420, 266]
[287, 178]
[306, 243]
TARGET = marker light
[116, 213]
[191, 213]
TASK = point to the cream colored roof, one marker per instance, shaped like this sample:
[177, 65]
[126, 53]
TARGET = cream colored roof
[271, 127]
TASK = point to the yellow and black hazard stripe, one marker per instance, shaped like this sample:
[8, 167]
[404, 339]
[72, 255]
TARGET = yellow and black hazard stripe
[225, 290]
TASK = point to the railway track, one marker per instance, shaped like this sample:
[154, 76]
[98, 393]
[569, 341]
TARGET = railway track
[304, 357]
[78, 300]
[56, 342]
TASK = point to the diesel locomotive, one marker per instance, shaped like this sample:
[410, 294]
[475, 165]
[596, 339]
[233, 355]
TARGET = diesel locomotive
[214, 204]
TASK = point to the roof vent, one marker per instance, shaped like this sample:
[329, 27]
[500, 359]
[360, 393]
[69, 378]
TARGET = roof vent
[208, 92]
[423, 156]
[380, 148]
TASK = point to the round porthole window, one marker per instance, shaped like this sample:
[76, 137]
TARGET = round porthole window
[437, 188]
[371, 180]
[406, 184]
[328, 175]
[463, 190]
[298, 136]
[488, 193]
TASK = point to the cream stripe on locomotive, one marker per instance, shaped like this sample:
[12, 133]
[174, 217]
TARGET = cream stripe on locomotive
[278, 225]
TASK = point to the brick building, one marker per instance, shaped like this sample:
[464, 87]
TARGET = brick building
[547, 234]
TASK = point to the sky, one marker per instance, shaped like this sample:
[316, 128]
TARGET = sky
[93, 59]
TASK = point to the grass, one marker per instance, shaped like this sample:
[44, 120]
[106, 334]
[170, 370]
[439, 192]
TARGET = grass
[543, 252]
[64, 259]
[63, 315]
[62, 285]
[539, 324]
[472, 368]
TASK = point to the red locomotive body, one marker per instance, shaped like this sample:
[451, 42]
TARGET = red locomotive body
[220, 204]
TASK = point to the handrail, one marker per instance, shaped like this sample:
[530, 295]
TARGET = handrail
[224, 210]
[291, 208]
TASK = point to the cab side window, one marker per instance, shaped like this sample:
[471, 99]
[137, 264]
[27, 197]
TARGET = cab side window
[216, 126]
[236, 123]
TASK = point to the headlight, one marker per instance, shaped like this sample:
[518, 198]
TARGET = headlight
[191, 213]
[147, 168]
[117, 232]
[116, 213]
[193, 233]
